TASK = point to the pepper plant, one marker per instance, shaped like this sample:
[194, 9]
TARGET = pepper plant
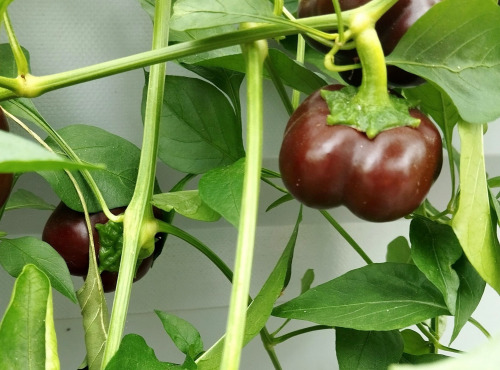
[386, 314]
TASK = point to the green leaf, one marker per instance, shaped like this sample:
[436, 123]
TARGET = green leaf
[398, 250]
[469, 294]
[414, 344]
[292, 73]
[16, 253]
[199, 130]
[222, 189]
[435, 103]
[228, 81]
[382, 296]
[187, 203]
[422, 359]
[367, 349]
[445, 47]
[21, 155]
[472, 221]
[8, 66]
[95, 145]
[27, 334]
[22, 198]
[184, 335]
[260, 309]
[135, 354]
[95, 315]
[484, 357]
[193, 14]
[435, 248]
[306, 281]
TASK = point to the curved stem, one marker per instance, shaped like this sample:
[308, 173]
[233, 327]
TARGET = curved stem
[481, 328]
[295, 333]
[139, 224]
[347, 237]
[255, 54]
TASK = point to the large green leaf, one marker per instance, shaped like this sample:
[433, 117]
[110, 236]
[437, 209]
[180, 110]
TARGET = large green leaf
[260, 309]
[95, 145]
[193, 14]
[472, 221]
[135, 354]
[199, 130]
[382, 296]
[21, 155]
[455, 45]
[222, 189]
[16, 253]
[373, 350]
[435, 249]
[27, 334]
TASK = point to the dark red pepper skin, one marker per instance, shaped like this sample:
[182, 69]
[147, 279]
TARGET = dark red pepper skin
[66, 231]
[382, 179]
[6, 179]
[390, 27]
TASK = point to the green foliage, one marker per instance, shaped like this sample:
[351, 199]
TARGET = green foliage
[21, 155]
[184, 335]
[199, 130]
[435, 249]
[135, 354]
[222, 189]
[367, 349]
[382, 296]
[27, 334]
[467, 70]
[15, 254]
[187, 203]
[95, 145]
[472, 222]
[22, 198]
[191, 14]
[260, 309]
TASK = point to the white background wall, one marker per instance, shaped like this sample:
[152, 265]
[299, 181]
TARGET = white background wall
[65, 34]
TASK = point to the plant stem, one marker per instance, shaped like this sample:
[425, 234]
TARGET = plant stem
[255, 54]
[226, 271]
[481, 328]
[295, 333]
[17, 51]
[278, 84]
[34, 86]
[347, 237]
[435, 342]
[139, 226]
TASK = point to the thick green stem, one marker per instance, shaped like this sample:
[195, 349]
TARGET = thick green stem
[255, 53]
[139, 224]
[373, 89]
